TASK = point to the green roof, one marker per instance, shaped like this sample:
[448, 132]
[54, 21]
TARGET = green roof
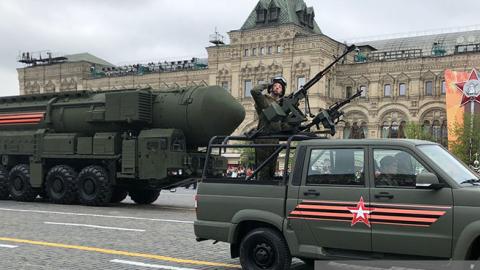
[289, 10]
[87, 58]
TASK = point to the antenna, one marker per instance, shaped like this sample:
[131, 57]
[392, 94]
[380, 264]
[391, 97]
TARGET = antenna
[217, 39]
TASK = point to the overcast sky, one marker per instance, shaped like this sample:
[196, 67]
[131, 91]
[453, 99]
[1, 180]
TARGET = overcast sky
[122, 31]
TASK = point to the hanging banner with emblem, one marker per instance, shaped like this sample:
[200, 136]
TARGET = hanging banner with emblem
[462, 93]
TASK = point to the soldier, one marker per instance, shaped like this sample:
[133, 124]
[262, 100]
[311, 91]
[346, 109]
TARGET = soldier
[388, 171]
[275, 91]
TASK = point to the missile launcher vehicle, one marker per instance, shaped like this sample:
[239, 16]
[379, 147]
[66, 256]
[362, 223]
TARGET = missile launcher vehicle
[97, 147]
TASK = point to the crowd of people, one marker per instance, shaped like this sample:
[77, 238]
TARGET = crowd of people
[239, 172]
[141, 69]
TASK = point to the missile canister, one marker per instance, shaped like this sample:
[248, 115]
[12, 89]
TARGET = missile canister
[200, 112]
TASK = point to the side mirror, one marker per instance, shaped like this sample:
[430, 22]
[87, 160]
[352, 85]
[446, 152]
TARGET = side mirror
[426, 180]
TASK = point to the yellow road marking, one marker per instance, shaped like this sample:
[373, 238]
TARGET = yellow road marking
[118, 252]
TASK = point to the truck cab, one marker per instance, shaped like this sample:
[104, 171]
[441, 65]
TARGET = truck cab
[345, 199]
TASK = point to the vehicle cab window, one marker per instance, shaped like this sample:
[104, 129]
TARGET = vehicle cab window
[336, 167]
[396, 168]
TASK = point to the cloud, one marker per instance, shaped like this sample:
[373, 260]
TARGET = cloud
[9, 79]
[121, 31]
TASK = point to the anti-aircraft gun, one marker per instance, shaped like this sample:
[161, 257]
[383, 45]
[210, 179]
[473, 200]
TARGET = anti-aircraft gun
[294, 123]
[287, 109]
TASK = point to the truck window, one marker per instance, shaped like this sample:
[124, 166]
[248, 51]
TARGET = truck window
[178, 144]
[396, 168]
[448, 163]
[336, 167]
[163, 143]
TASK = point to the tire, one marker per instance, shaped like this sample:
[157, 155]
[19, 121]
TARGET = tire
[4, 192]
[264, 248]
[19, 184]
[94, 186]
[144, 196]
[119, 194]
[61, 185]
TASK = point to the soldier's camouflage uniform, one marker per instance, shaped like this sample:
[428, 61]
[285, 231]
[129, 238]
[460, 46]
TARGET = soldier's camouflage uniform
[263, 101]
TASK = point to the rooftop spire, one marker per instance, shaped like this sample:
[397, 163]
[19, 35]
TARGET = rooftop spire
[277, 12]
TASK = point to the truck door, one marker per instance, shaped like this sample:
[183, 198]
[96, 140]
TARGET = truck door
[334, 197]
[407, 220]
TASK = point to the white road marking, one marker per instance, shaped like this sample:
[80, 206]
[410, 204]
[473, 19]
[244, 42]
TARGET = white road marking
[95, 215]
[94, 226]
[7, 246]
[178, 194]
[156, 266]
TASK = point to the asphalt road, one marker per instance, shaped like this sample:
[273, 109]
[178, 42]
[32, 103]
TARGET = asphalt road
[42, 235]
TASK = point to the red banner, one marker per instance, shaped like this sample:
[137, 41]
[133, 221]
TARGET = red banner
[455, 110]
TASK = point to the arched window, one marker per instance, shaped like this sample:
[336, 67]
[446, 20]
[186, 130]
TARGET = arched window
[393, 130]
[427, 128]
[346, 131]
[401, 130]
[364, 129]
[356, 132]
[437, 131]
[444, 133]
[385, 130]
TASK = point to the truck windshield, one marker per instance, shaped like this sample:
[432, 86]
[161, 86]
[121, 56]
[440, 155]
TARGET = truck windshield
[449, 164]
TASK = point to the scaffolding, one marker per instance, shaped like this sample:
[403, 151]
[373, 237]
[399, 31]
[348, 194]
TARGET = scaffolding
[39, 58]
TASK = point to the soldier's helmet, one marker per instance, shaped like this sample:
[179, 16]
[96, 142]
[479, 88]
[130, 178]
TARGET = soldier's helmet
[281, 81]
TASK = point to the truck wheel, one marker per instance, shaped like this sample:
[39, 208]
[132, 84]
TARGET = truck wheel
[94, 187]
[60, 185]
[264, 248]
[19, 184]
[119, 194]
[144, 196]
[4, 193]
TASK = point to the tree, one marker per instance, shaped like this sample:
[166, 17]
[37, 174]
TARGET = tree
[468, 141]
[247, 157]
[414, 130]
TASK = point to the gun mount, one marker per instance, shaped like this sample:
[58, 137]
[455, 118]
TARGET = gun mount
[287, 109]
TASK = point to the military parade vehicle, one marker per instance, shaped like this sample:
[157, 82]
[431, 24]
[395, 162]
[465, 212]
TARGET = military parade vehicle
[346, 199]
[337, 199]
[95, 147]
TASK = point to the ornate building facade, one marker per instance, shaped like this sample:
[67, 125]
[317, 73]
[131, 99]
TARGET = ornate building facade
[402, 78]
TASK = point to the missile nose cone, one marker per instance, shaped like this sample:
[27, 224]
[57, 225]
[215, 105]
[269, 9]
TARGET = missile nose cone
[200, 112]
[221, 111]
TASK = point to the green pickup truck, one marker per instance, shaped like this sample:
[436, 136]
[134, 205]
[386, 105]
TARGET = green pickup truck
[344, 199]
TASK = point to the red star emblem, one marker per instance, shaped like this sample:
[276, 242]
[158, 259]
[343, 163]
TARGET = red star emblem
[470, 88]
[360, 213]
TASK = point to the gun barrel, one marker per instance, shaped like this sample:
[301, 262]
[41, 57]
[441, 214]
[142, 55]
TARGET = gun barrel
[322, 73]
